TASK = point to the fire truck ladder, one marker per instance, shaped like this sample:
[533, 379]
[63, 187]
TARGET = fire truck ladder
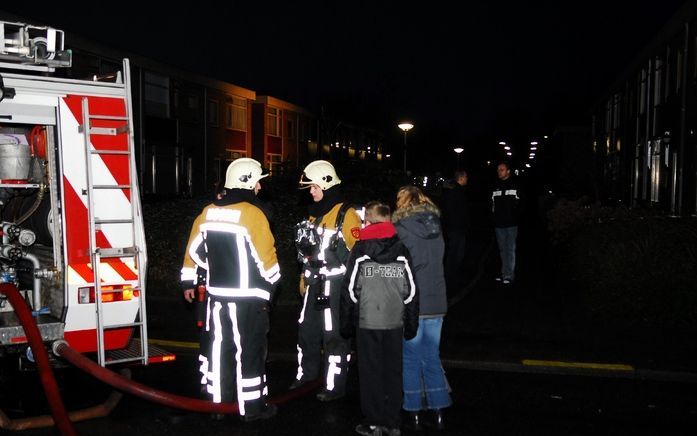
[137, 352]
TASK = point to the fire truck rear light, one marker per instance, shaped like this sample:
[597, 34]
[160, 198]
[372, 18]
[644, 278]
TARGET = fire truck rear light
[84, 294]
[110, 294]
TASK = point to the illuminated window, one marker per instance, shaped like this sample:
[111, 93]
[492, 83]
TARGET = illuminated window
[231, 154]
[272, 121]
[275, 162]
[236, 114]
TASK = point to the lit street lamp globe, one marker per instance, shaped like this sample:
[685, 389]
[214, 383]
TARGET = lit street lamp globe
[405, 126]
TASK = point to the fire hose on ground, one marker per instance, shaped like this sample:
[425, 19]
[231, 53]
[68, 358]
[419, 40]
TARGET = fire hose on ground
[61, 348]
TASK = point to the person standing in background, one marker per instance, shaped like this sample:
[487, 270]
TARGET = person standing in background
[456, 220]
[505, 207]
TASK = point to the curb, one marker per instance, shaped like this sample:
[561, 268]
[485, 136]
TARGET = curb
[526, 366]
[574, 368]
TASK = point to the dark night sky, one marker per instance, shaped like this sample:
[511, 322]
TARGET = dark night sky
[494, 68]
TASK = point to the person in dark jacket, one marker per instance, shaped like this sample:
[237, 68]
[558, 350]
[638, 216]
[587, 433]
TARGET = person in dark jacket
[505, 199]
[455, 223]
[418, 226]
[379, 298]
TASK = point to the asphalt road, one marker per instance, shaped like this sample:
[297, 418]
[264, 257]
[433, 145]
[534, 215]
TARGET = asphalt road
[485, 403]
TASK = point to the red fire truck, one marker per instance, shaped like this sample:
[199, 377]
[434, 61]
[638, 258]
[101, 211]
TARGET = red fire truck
[72, 227]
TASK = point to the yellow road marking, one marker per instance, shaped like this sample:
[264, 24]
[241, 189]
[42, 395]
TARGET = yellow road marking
[176, 344]
[583, 365]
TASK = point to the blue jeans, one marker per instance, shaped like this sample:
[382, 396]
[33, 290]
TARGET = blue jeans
[505, 237]
[423, 374]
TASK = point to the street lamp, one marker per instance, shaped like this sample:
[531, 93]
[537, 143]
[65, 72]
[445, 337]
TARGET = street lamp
[458, 150]
[405, 126]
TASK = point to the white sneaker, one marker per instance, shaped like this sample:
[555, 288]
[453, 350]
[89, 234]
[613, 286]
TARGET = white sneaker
[507, 281]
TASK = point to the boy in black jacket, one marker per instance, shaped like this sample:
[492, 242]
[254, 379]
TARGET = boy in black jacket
[379, 298]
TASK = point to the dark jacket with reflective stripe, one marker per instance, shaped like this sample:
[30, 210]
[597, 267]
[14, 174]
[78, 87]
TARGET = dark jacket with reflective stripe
[234, 245]
[505, 199]
[379, 291]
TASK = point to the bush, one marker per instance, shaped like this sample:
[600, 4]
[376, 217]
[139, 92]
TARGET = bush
[568, 217]
[167, 226]
[630, 270]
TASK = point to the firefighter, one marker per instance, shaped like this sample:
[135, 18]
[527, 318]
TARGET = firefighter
[231, 240]
[337, 227]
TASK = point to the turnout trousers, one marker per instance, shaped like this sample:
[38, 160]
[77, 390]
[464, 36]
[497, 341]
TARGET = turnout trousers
[233, 352]
[318, 329]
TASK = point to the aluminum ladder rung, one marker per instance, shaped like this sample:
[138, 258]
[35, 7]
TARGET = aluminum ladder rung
[127, 359]
[110, 152]
[111, 187]
[107, 131]
[109, 252]
[107, 117]
[121, 326]
[116, 221]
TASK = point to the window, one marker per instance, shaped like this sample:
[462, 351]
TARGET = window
[658, 82]
[231, 155]
[290, 128]
[212, 113]
[236, 114]
[156, 95]
[678, 72]
[694, 61]
[275, 163]
[192, 102]
[272, 121]
[669, 67]
[642, 92]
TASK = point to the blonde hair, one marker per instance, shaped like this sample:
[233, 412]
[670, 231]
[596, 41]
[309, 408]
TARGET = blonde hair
[410, 196]
[377, 212]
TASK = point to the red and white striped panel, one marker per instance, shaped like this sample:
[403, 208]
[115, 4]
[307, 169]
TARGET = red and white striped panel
[108, 203]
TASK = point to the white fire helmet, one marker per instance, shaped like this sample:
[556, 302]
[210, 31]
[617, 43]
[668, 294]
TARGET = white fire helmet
[320, 173]
[243, 173]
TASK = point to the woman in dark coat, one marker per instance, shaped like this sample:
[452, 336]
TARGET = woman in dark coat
[418, 226]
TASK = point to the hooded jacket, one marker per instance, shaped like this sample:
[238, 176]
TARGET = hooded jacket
[419, 229]
[379, 289]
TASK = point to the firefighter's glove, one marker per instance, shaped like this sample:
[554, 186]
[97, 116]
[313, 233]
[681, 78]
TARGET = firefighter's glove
[302, 289]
